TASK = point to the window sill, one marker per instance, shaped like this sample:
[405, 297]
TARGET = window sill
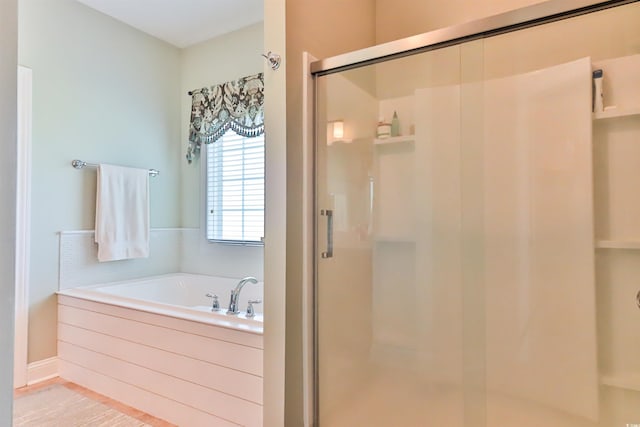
[236, 243]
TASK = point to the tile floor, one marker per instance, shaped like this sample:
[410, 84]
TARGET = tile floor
[58, 402]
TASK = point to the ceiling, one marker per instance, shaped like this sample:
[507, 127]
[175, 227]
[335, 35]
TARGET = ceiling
[182, 22]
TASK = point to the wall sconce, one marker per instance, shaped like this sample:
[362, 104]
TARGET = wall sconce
[338, 129]
[335, 132]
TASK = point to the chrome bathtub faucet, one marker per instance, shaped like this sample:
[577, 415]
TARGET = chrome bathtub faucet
[215, 306]
[235, 294]
[251, 312]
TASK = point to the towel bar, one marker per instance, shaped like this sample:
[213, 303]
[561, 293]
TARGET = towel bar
[79, 164]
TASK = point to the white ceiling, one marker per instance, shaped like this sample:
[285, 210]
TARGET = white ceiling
[182, 22]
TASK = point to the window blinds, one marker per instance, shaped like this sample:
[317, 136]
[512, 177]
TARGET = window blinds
[235, 189]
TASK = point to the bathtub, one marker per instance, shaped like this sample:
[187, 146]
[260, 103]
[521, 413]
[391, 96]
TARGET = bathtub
[156, 345]
[179, 295]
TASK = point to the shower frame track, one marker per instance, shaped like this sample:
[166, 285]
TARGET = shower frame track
[530, 16]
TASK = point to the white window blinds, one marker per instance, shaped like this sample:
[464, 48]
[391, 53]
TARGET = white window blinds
[235, 189]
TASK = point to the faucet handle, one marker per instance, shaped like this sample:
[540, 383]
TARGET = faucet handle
[216, 304]
[250, 310]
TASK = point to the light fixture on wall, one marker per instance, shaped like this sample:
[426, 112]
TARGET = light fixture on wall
[338, 129]
[336, 132]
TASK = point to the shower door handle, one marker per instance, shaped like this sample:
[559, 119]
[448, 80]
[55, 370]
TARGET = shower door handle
[329, 214]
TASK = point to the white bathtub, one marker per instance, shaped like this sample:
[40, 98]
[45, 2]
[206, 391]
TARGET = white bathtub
[179, 295]
[155, 344]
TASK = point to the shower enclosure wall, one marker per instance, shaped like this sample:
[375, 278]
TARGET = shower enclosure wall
[479, 266]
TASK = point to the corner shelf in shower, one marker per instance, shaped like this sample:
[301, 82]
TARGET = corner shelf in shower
[627, 382]
[394, 140]
[618, 244]
[621, 112]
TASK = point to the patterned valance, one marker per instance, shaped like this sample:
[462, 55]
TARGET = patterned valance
[237, 105]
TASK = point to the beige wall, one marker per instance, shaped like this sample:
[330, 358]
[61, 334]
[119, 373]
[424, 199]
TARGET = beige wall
[102, 92]
[607, 34]
[8, 117]
[275, 245]
[396, 19]
[318, 28]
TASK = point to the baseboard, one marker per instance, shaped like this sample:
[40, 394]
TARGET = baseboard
[42, 370]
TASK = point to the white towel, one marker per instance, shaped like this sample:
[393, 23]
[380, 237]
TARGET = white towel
[122, 213]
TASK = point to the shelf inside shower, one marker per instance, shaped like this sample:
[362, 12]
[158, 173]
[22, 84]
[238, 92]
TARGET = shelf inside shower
[394, 140]
[627, 382]
[617, 112]
[618, 244]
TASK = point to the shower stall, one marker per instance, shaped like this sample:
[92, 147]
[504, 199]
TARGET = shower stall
[477, 224]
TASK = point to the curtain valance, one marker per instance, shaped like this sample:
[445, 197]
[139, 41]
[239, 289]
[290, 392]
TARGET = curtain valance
[237, 105]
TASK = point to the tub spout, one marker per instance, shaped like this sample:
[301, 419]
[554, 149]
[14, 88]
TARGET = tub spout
[235, 294]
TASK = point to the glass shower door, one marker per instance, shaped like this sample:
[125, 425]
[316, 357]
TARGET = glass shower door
[478, 267]
[391, 303]
[561, 340]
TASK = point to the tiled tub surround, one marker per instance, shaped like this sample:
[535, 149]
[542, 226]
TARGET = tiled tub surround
[183, 364]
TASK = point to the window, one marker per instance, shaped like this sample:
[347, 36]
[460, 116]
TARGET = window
[235, 189]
